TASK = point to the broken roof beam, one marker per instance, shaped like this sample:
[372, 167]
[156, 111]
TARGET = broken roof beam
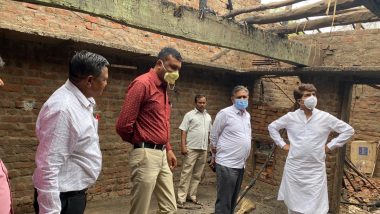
[260, 7]
[180, 22]
[361, 16]
[315, 9]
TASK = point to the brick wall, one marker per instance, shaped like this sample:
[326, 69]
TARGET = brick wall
[41, 20]
[351, 48]
[365, 110]
[34, 70]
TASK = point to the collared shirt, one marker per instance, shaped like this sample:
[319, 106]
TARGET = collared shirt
[68, 156]
[231, 135]
[197, 125]
[145, 114]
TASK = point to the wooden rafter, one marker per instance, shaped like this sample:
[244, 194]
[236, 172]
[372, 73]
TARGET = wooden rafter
[361, 16]
[316, 9]
[261, 7]
[182, 22]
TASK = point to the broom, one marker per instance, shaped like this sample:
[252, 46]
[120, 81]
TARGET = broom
[247, 205]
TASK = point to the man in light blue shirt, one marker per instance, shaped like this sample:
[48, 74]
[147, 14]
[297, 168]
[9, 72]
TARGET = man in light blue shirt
[230, 139]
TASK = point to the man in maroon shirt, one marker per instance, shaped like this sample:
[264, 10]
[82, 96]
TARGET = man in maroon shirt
[144, 122]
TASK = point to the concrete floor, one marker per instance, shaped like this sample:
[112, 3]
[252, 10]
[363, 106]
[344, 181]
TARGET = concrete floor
[263, 196]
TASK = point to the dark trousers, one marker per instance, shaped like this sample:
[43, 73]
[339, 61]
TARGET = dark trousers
[73, 202]
[228, 187]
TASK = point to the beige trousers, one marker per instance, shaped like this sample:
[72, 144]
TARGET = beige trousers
[192, 169]
[151, 174]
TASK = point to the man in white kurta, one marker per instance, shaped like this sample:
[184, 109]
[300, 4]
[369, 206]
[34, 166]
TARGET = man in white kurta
[304, 182]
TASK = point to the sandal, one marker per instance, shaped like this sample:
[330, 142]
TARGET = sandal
[180, 205]
[195, 201]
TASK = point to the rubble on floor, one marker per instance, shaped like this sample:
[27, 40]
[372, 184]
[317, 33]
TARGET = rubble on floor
[360, 194]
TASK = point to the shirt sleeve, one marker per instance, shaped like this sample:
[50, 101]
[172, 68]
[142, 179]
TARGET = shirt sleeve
[130, 110]
[185, 123]
[210, 124]
[217, 128]
[345, 132]
[168, 145]
[57, 136]
[274, 130]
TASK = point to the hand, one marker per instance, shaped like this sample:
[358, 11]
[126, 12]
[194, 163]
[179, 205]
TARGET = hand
[327, 149]
[213, 149]
[172, 160]
[184, 150]
[286, 147]
[212, 164]
[1, 82]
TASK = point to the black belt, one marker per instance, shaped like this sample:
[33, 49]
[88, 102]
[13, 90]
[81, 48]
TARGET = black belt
[73, 193]
[149, 146]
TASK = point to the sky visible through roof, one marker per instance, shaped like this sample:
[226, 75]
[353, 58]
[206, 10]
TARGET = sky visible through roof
[371, 25]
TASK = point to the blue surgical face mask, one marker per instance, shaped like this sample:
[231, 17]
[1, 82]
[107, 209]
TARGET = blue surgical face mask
[241, 104]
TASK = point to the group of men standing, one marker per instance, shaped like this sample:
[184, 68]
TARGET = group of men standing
[68, 158]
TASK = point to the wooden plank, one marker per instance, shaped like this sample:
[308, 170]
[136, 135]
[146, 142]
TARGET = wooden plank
[260, 7]
[181, 22]
[361, 16]
[316, 9]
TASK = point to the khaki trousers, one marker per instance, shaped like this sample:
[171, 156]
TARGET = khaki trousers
[192, 169]
[151, 174]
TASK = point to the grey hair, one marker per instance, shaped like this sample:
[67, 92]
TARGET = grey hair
[239, 88]
[2, 63]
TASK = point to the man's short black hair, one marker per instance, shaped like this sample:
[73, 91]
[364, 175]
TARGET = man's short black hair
[199, 96]
[167, 51]
[85, 63]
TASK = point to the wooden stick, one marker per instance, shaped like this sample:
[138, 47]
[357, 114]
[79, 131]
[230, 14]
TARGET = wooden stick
[349, 181]
[316, 9]
[261, 7]
[350, 164]
[361, 16]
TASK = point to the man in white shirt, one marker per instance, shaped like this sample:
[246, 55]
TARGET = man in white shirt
[304, 181]
[230, 138]
[195, 129]
[68, 158]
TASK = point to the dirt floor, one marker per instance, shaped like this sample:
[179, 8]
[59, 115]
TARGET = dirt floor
[263, 199]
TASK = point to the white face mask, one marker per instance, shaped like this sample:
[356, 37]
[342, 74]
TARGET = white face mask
[310, 102]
